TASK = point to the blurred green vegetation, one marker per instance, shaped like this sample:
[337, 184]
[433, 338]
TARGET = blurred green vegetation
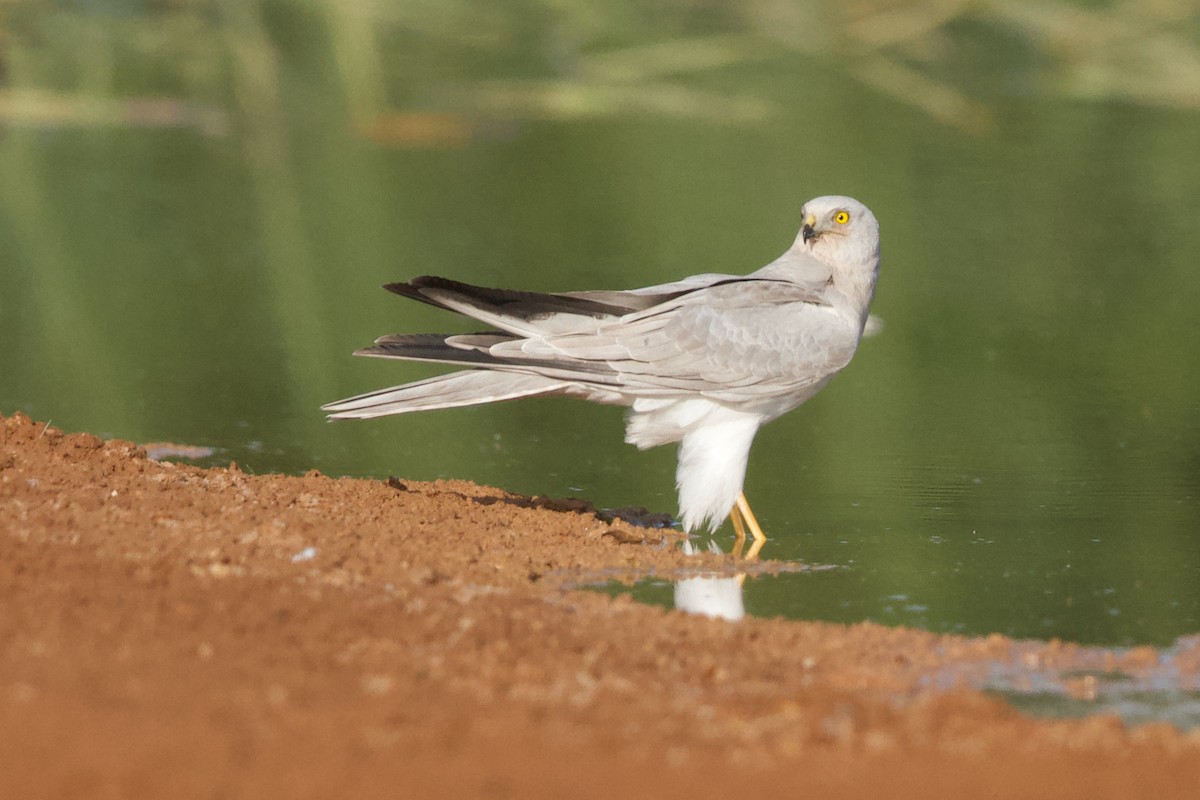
[199, 201]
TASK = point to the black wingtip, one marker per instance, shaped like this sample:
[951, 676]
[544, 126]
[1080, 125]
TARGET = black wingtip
[411, 290]
[413, 287]
[508, 302]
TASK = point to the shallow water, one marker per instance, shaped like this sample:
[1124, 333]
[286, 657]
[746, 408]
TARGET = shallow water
[197, 212]
[1139, 685]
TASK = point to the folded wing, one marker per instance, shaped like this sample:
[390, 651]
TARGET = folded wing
[724, 337]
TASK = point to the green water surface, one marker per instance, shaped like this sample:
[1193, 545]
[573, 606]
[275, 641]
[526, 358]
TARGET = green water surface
[200, 201]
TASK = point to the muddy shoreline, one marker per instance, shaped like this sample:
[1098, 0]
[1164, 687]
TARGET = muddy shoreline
[171, 630]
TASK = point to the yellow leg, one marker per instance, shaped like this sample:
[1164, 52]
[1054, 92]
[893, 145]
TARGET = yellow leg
[742, 509]
[743, 506]
[739, 529]
[735, 516]
[742, 518]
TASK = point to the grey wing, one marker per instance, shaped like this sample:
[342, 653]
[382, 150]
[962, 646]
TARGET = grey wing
[649, 296]
[801, 270]
[726, 337]
[733, 342]
[524, 313]
[535, 314]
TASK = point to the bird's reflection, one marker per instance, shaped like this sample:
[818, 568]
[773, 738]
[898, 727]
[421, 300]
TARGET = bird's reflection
[718, 596]
[740, 542]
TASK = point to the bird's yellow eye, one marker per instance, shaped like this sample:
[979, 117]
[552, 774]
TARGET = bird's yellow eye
[841, 217]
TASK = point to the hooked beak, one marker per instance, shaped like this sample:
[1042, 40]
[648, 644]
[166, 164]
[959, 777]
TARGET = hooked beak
[807, 232]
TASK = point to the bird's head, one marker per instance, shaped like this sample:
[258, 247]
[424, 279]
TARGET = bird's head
[841, 232]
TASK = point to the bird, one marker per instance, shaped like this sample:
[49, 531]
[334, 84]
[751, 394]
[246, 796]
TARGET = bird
[704, 361]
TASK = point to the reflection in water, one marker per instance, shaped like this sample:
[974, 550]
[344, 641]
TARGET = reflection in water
[717, 596]
[1139, 685]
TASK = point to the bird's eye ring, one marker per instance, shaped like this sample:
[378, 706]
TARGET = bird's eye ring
[841, 217]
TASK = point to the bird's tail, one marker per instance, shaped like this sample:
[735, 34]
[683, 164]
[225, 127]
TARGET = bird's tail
[465, 388]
